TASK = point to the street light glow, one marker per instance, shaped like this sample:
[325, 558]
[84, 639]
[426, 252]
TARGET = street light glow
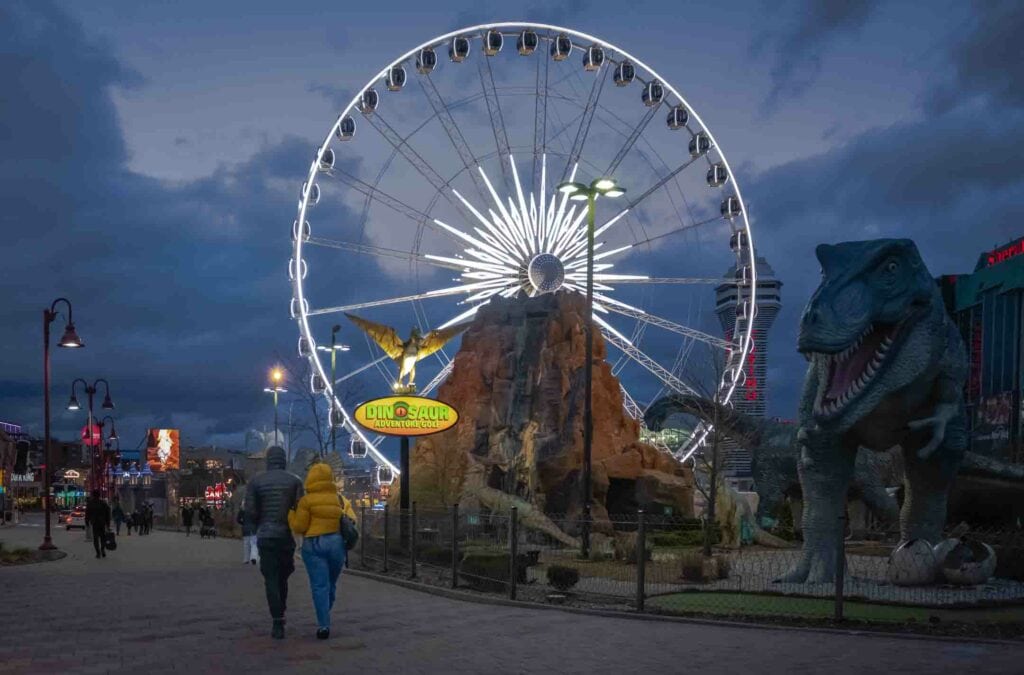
[70, 339]
[276, 375]
[73, 404]
[569, 187]
[603, 184]
[615, 192]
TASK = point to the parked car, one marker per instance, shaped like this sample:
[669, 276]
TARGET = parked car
[76, 518]
[62, 516]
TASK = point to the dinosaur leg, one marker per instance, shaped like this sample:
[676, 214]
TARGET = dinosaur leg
[867, 479]
[825, 468]
[927, 490]
[412, 375]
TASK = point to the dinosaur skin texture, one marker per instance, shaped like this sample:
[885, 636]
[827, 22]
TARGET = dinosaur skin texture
[774, 449]
[887, 368]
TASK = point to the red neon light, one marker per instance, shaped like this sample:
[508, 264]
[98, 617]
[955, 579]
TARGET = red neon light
[999, 255]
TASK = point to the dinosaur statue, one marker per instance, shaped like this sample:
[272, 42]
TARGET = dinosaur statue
[774, 453]
[887, 367]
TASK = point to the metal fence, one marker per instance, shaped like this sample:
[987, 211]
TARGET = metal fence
[660, 564]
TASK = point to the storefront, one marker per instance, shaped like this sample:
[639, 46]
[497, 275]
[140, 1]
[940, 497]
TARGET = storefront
[986, 306]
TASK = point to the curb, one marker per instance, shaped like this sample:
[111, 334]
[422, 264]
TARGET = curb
[637, 616]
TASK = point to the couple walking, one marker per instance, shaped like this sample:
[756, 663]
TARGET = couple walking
[276, 506]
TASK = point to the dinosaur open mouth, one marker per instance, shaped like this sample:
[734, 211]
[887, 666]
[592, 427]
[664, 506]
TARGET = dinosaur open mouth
[850, 371]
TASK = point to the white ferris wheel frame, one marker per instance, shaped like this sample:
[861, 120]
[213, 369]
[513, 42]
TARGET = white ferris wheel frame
[733, 374]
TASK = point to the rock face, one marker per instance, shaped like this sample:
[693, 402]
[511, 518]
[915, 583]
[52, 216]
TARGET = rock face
[518, 383]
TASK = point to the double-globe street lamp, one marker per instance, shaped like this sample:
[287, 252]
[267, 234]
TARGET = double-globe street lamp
[92, 442]
[69, 340]
[108, 456]
[580, 192]
[333, 349]
[275, 388]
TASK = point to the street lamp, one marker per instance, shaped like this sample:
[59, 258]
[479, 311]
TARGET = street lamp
[333, 349]
[108, 456]
[580, 192]
[275, 388]
[107, 404]
[69, 340]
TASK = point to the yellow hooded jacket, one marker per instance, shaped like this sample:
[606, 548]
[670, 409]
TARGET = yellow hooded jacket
[319, 511]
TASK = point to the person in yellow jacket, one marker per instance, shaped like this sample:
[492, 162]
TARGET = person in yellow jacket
[318, 519]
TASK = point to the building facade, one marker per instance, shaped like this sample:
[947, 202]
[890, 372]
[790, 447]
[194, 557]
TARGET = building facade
[987, 306]
[750, 398]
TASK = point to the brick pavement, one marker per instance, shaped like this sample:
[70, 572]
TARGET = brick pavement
[167, 604]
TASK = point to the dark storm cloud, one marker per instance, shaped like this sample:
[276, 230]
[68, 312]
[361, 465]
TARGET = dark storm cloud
[180, 291]
[987, 61]
[952, 180]
[795, 50]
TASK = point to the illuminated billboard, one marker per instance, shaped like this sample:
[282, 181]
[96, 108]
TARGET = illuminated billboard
[162, 449]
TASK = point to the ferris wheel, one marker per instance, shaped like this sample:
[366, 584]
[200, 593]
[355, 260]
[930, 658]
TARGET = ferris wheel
[435, 191]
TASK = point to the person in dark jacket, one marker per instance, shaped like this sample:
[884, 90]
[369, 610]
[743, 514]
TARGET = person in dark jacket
[97, 516]
[118, 515]
[268, 499]
[250, 554]
[186, 519]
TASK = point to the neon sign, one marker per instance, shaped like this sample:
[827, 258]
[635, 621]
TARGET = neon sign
[1012, 250]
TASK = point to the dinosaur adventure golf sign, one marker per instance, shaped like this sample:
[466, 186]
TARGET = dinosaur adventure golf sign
[406, 416]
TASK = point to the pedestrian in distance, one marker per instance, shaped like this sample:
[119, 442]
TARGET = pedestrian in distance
[149, 517]
[97, 515]
[268, 499]
[186, 519]
[318, 519]
[250, 553]
[118, 515]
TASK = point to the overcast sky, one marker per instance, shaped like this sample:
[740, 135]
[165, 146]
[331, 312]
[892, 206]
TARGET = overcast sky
[150, 156]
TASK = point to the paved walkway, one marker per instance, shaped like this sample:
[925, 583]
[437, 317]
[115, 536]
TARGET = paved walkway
[164, 603]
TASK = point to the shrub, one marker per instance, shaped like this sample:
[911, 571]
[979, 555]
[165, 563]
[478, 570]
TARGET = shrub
[485, 570]
[681, 538]
[563, 578]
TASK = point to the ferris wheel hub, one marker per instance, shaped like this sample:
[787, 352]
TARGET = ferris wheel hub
[546, 273]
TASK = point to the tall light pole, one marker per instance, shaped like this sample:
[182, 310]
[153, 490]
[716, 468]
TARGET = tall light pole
[334, 349]
[275, 388]
[580, 192]
[107, 404]
[108, 456]
[70, 340]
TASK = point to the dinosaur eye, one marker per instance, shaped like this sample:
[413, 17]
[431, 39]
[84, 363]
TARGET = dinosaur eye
[892, 266]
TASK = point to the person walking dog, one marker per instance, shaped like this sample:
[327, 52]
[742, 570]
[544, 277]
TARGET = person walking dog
[268, 499]
[318, 519]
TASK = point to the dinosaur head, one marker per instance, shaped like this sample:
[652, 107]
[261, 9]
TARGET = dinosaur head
[415, 334]
[872, 298]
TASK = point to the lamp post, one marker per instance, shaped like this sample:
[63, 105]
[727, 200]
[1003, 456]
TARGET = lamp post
[579, 192]
[275, 388]
[69, 340]
[333, 349]
[108, 456]
[107, 404]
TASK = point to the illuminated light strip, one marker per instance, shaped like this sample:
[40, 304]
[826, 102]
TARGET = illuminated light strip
[676, 280]
[621, 278]
[380, 303]
[601, 230]
[461, 317]
[462, 264]
[607, 326]
[500, 235]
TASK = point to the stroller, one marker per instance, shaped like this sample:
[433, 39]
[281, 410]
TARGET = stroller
[207, 528]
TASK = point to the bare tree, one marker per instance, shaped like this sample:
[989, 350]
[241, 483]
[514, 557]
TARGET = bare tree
[309, 412]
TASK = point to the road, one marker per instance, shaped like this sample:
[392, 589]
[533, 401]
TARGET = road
[166, 603]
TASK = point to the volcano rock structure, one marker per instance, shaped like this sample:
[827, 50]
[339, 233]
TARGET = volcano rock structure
[518, 384]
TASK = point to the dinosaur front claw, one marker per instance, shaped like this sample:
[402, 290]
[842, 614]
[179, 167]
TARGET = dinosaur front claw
[938, 422]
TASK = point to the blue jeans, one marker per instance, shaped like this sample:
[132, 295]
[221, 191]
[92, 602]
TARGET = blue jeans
[324, 557]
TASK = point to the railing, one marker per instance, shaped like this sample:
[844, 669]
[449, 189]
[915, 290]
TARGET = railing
[658, 564]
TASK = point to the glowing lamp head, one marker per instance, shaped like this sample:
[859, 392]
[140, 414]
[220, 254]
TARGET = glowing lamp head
[603, 184]
[70, 339]
[107, 403]
[73, 403]
[579, 196]
[614, 192]
[276, 376]
[571, 188]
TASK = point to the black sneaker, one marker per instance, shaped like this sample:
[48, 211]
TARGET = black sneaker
[323, 633]
[277, 632]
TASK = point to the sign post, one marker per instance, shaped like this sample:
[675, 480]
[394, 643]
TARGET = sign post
[406, 417]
